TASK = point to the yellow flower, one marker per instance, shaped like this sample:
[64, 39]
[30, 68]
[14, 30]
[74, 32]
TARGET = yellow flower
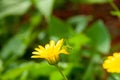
[50, 52]
[112, 63]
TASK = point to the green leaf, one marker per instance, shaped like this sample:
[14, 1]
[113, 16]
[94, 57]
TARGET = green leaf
[116, 13]
[78, 41]
[56, 74]
[42, 69]
[1, 66]
[89, 71]
[24, 75]
[80, 22]
[45, 7]
[58, 28]
[16, 46]
[114, 76]
[12, 74]
[14, 7]
[100, 37]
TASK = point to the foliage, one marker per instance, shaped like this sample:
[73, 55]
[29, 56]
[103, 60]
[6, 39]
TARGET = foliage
[26, 23]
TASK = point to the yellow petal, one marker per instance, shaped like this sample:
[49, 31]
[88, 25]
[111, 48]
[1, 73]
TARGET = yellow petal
[46, 46]
[59, 44]
[52, 43]
[42, 48]
[35, 52]
[112, 63]
[37, 49]
[35, 56]
[64, 51]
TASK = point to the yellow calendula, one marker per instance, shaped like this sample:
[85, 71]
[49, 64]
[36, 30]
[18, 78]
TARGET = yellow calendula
[112, 63]
[50, 52]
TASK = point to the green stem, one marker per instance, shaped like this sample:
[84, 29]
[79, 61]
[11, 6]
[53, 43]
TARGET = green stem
[113, 5]
[65, 78]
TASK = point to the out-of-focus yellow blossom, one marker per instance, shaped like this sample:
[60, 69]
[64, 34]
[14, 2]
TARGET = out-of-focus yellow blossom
[50, 52]
[112, 63]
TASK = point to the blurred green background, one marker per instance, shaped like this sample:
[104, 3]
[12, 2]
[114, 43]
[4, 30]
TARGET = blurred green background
[88, 27]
